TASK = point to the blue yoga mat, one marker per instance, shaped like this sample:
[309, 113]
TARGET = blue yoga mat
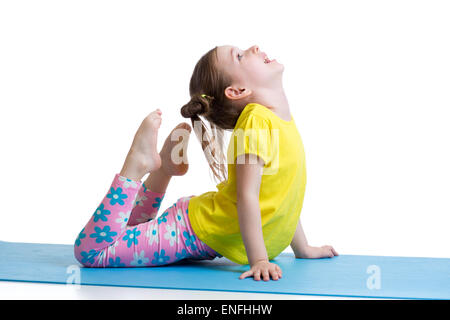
[345, 275]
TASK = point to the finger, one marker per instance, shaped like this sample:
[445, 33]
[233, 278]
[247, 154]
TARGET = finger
[257, 275]
[246, 274]
[334, 251]
[326, 252]
[280, 273]
[330, 253]
[274, 274]
[266, 276]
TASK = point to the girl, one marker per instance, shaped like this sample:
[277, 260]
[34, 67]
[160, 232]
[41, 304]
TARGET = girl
[254, 214]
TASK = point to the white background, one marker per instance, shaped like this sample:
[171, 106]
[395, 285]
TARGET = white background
[367, 81]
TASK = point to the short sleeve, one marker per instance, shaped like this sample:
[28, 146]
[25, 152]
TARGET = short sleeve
[252, 135]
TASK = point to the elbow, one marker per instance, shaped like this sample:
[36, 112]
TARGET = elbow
[247, 197]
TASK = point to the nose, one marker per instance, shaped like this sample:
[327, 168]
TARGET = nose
[254, 49]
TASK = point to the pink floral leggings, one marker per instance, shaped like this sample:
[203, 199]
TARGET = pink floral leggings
[123, 231]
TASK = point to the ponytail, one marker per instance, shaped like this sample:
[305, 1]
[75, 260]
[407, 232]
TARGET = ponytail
[211, 139]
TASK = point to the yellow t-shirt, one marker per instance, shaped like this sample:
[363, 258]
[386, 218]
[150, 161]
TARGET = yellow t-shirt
[213, 214]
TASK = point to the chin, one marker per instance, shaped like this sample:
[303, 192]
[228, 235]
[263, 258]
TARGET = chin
[278, 65]
[280, 68]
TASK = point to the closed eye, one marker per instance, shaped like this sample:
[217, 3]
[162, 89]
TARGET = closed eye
[239, 56]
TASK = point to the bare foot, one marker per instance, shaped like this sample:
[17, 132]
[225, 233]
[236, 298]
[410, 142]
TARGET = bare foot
[143, 154]
[173, 153]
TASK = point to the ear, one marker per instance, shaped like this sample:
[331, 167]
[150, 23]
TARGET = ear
[233, 93]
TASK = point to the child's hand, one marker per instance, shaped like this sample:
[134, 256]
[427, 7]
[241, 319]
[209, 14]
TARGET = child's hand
[265, 268]
[317, 252]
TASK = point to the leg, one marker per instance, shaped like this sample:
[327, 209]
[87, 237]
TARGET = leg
[173, 163]
[111, 217]
[147, 201]
[109, 220]
[165, 240]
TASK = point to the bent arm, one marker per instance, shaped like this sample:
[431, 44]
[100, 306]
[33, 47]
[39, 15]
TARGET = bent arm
[248, 181]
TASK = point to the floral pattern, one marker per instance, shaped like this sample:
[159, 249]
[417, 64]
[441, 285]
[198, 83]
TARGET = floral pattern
[123, 231]
[81, 235]
[157, 202]
[104, 234]
[128, 183]
[140, 200]
[116, 262]
[171, 234]
[116, 196]
[88, 257]
[190, 240]
[131, 237]
[163, 217]
[123, 219]
[153, 234]
[101, 213]
[160, 257]
[139, 260]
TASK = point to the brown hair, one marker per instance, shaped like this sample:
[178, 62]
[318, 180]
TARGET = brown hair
[215, 107]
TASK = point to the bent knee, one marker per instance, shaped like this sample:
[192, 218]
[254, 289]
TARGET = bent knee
[86, 256]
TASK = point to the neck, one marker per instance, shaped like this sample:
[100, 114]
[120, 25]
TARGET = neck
[275, 99]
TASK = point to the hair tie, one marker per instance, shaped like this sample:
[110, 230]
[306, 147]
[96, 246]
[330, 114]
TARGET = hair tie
[206, 96]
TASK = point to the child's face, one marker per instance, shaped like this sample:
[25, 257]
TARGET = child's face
[248, 69]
